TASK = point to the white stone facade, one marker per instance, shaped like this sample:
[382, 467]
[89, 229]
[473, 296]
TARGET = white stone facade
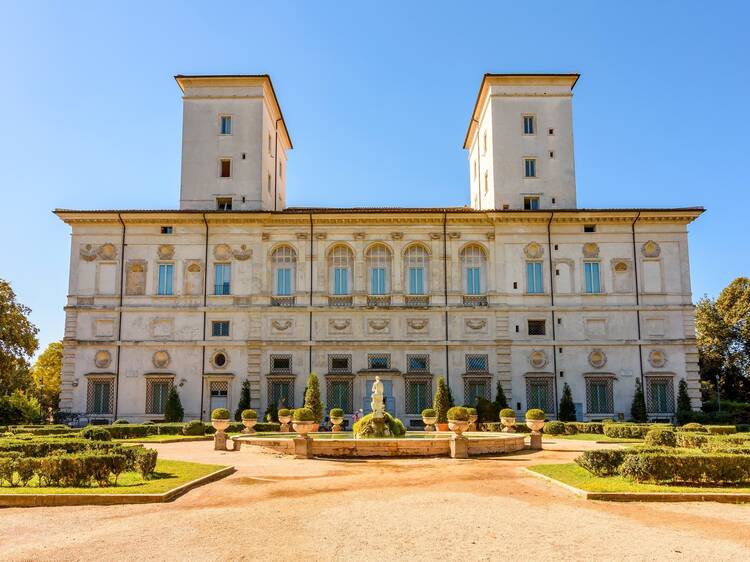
[476, 296]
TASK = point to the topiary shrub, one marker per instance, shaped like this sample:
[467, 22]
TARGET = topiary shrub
[458, 413]
[626, 430]
[684, 411]
[507, 413]
[271, 414]
[312, 397]
[365, 429]
[638, 407]
[244, 402]
[429, 413]
[554, 427]
[195, 427]
[602, 462]
[220, 414]
[303, 415]
[659, 437]
[336, 413]
[96, 433]
[535, 414]
[567, 411]
[441, 402]
[695, 427]
[120, 422]
[173, 411]
[283, 412]
[248, 414]
[472, 411]
[691, 440]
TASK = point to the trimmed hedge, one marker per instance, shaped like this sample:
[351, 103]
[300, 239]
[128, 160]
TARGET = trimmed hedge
[658, 437]
[690, 440]
[195, 427]
[554, 427]
[96, 433]
[696, 427]
[497, 427]
[721, 429]
[631, 430]
[585, 427]
[606, 462]
[692, 468]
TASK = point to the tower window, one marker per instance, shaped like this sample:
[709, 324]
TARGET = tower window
[528, 125]
[226, 125]
[166, 230]
[224, 203]
[531, 203]
[589, 228]
[529, 167]
[225, 168]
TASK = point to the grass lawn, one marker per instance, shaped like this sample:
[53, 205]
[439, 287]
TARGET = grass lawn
[163, 438]
[575, 476]
[594, 437]
[168, 475]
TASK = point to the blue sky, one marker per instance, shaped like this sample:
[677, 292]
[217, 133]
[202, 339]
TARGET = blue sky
[377, 97]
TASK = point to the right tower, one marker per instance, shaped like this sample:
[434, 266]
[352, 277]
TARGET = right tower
[520, 142]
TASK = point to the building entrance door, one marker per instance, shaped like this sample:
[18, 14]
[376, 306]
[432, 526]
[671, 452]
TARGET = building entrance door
[390, 401]
[219, 395]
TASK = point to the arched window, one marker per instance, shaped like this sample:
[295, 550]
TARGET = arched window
[474, 265]
[379, 270]
[415, 265]
[340, 263]
[284, 261]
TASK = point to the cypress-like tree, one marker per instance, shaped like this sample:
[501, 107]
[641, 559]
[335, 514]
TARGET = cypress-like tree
[173, 411]
[441, 402]
[638, 408]
[567, 411]
[684, 408]
[244, 402]
[500, 400]
[312, 397]
[451, 402]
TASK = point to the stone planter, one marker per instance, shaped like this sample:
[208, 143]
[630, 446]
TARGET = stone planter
[220, 437]
[284, 420]
[509, 424]
[336, 423]
[535, 425]
[249, 425]
[220, 425]
[473, 422]
[429, 423]
[458, 427]
[304, 427]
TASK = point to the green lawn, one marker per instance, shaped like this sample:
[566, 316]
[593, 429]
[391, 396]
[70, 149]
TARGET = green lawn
[168, 475]
[575, 476]
[164, 438]
[594, 437]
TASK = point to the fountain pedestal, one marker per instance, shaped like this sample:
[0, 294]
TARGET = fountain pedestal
[536, 440]
[303, 447]
[459, 447]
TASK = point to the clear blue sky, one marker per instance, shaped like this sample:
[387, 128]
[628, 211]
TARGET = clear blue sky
[377, 97]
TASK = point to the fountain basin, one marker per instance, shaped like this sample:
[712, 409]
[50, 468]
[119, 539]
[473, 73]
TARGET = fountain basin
[414, 444]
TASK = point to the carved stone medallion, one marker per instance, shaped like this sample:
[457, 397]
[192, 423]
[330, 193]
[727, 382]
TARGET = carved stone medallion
[538, 359]
[650, 249]
[87, 252]
[657, 358]
[590, 250]
[161, 359]
[533, 250]
[107, 251]
[102, 359]
[597, 359]
[243, 254]
[222, 252]
[165, 251]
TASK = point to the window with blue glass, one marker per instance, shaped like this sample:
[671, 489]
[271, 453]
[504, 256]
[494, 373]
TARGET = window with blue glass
[416, 281]
[415, 259]
[220, 328]
[591, 275]
[379, 361]
[222, 278]
[473, 261]
[100, 397]
[475, 390]
[226, 125]
[417, 363]
[534, 277]
[283, 281]
[473, 281]
[340, 281]
[340, 261]
[284, 261]
[166, 273]
[529, 165]
[377, 281]
[476, 363]
[379, 267]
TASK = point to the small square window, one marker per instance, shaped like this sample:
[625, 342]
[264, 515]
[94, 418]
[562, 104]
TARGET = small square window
[529, 167]
[550, 131]
[537, 327]
[476, 363]
[166, 230]
[531, 203]
[589, 228]
[225, 168]
[551, 153]
[417, 363]
[281, 363]
[224, 203]
[340, 363]
[528, 125]
[226, 125]
[379, 361]
[220, 329]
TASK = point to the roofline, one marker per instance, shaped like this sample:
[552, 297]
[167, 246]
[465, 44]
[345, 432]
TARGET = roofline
[572, 75]
[179, 78]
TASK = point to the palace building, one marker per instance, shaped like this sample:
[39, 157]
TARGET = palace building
[521, 288]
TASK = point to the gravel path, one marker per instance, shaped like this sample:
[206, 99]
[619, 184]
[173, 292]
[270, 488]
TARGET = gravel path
[276, 508]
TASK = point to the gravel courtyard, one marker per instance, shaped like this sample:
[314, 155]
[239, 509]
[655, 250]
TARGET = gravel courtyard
[277, 508]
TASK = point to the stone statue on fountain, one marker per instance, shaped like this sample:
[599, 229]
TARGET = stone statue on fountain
[376, 403]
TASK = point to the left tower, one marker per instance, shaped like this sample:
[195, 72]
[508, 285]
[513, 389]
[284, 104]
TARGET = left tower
[234, 144]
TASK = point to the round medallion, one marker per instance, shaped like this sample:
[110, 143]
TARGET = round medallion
[161, 359]
[102, 359]
[107, 251]
[533, 250]
[219, 359]
[597, 358]
[657, 358]
[538, 359]
[590, 250]
[651, 249]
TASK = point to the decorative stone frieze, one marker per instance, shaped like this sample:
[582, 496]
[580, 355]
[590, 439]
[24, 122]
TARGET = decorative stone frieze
[436, 235]
[476, 324]
[243, 254]
[222, 252]
[650, 249]
[378, 326]
[397, 235]
[416, 325]
[339, 325]
[135, 277]
[590, 250]
[87, 252]
[321, 235]
[282, 325]
[360, 235]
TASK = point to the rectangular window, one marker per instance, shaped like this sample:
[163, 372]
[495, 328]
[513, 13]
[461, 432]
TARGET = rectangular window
[226, 125]
[599, 402]
[281, 363]
[166, 230]
[222, 278]
[281, 394]
[591, 274]
[539, 394]
[418, 396]
[416, 280]
[157, 395]
[166, 271]
[418, 363]
[377, 281]
[537, 327]
[589, 228]
[528, 125]
[100, 397]
[529, 167]
[660, 396]
[477, 363]
[340, 363]
[475, 390]
[225, 168]
[284, 281]
[220, 328]
[531, 203]
[224, 203]
[339, 395]
[379, 361]
[341, 281]
[473, 280]
[534, 277]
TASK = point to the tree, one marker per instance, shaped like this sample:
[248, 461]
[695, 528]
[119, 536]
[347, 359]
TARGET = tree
[173, 411]
[684, 409]
[18, 341]
[451, 402]
[312, 397]
[722, 328]
[441, 402]
[18, 407]
[46, 374]
[244, 402]
[638, 407]
[500, 400]
[567, 411]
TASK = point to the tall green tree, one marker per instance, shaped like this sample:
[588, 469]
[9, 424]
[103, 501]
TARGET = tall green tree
[312, 397]
[244, 402]
[47, 374]
[18, 341]
[684, 409]
[567, 411]
[722, 328]
[441, 402]
[500, 400]
[638, 411]
[173, 411]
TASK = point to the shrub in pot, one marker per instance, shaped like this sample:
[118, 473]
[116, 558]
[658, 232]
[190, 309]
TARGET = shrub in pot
[285, 416]
[249, 419]
[337, 418]
[458, 419]
[508, 419]
[303, 421]
[220, 419]
[429, 418]
[535, 419]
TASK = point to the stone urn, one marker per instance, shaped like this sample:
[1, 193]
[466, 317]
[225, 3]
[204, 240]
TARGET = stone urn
[473, 422]
[535, 425]
[429, 423]
[337, 421]
[249, 425]
[220, 425]
[458, 427]
[509, 424]
[284, 420]
[304, 427]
